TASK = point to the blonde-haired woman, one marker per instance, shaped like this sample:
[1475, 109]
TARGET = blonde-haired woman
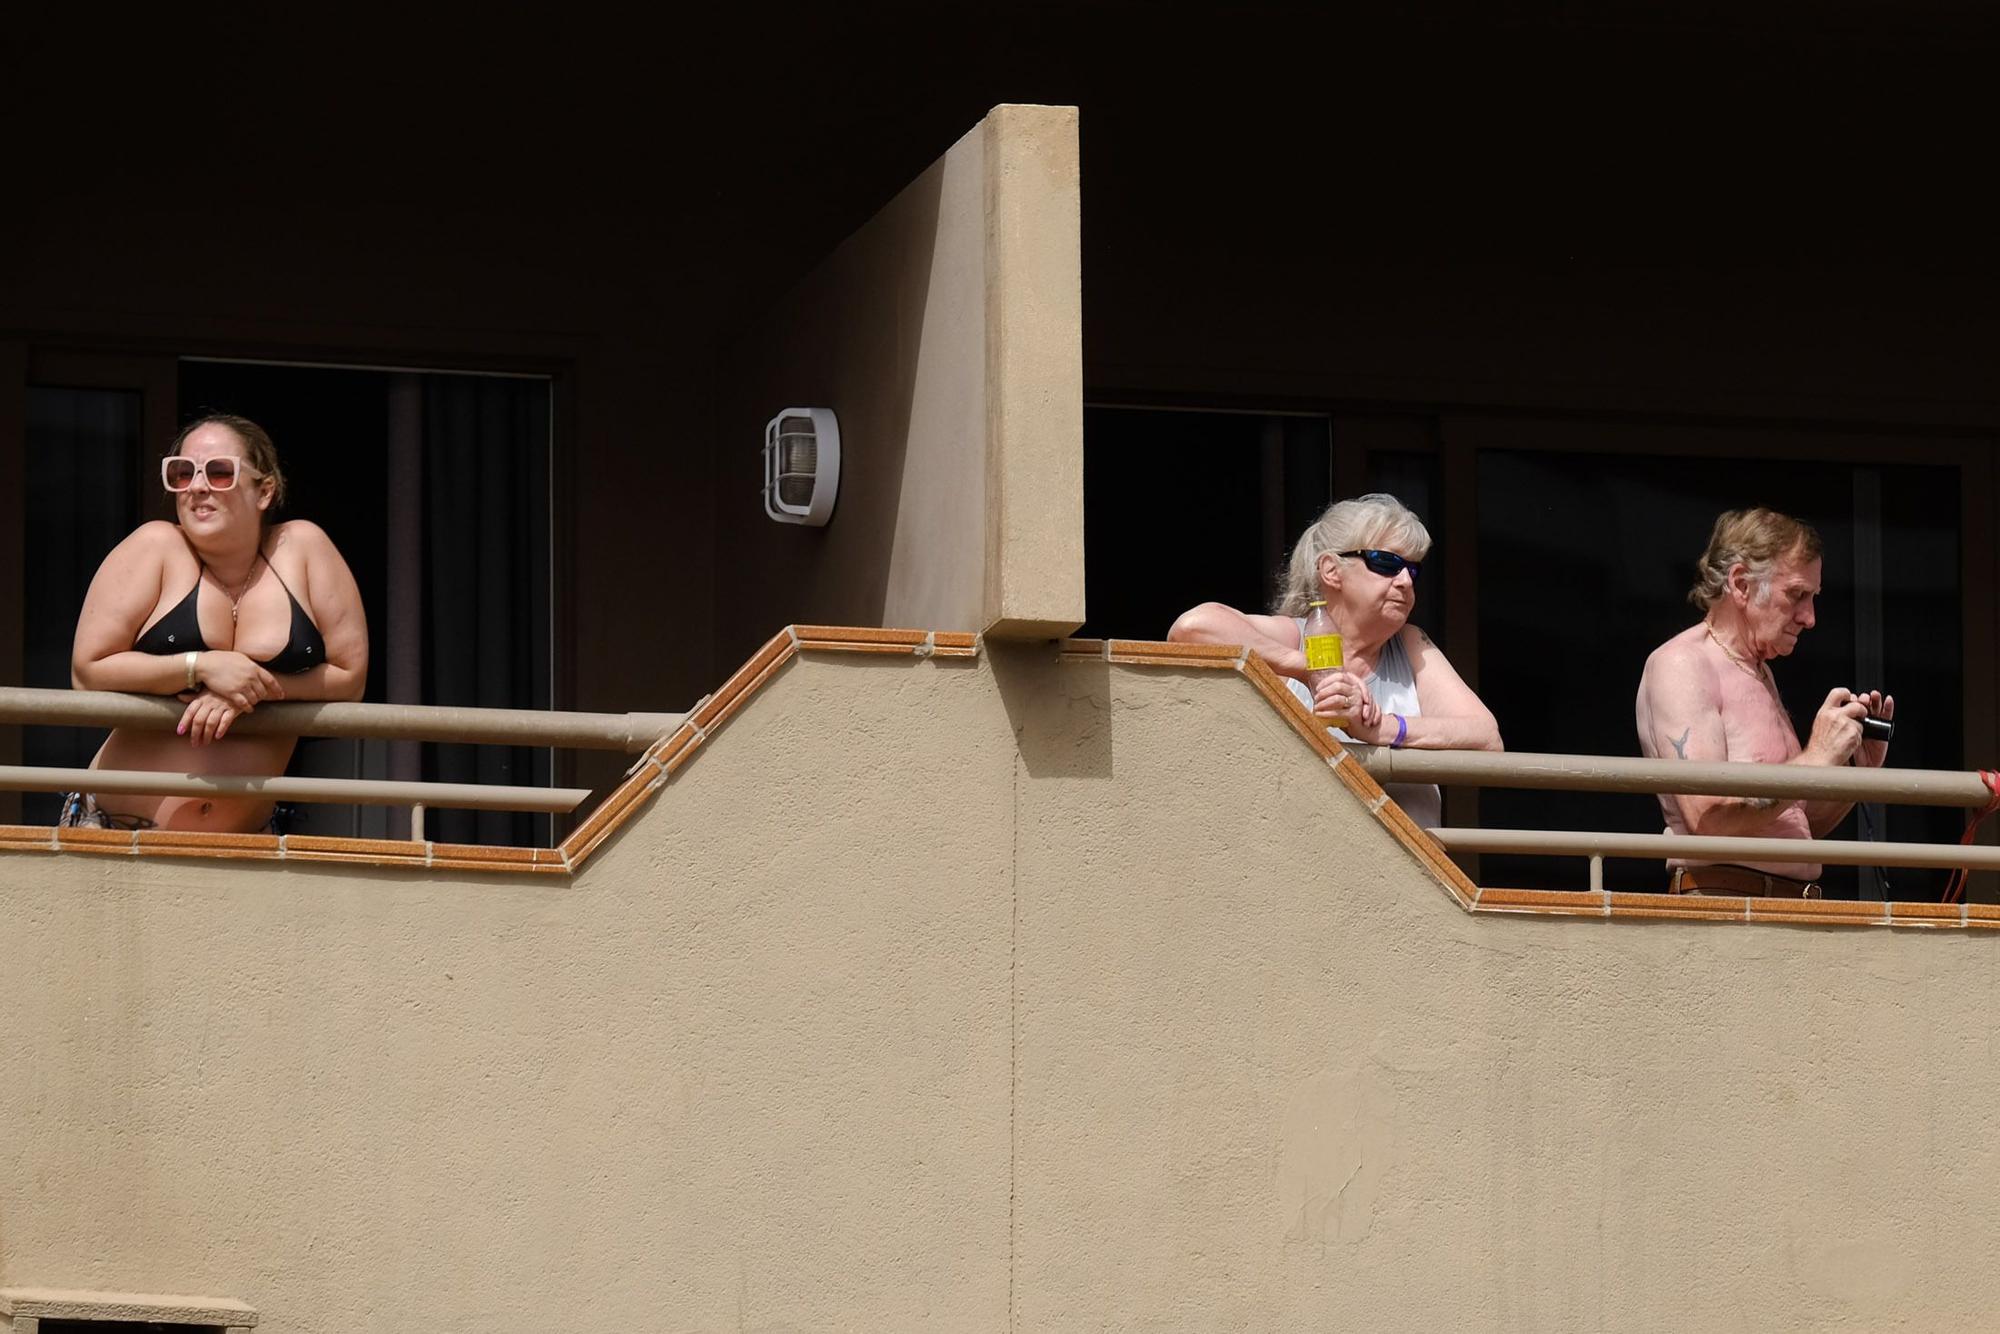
[224, 609]
[1396, 688]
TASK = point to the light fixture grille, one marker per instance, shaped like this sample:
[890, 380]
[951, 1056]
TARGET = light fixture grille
[798, 460]
[801, 465]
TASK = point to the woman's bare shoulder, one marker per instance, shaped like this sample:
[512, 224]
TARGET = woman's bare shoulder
[299, 530]
[155, 537]
[302, 535]
[133, 572]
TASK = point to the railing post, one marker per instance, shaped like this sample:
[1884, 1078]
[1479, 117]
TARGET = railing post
[1596, 873]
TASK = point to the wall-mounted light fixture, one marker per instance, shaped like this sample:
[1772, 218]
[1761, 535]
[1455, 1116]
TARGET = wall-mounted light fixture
[801, 465]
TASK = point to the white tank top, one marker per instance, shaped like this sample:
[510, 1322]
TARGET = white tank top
[1394, 686]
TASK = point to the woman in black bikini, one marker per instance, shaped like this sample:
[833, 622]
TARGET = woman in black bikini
[224, 609]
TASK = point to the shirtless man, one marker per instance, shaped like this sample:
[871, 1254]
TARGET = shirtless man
[1708, 694]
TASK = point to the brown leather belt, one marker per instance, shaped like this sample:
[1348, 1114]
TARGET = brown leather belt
[1735, 880]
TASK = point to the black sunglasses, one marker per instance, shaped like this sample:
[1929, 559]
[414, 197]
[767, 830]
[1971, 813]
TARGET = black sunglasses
[1386, 563]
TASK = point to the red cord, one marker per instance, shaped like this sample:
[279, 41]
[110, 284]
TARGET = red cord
[1954, 888]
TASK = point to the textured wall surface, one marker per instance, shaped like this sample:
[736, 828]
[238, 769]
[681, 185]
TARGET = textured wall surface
[946, 334]
[943, 993]
[749, 1069]
[1034, 367]
[1270, 1078]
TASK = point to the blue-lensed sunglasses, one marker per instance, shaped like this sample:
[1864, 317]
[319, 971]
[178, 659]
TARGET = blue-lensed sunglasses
[1386, 563]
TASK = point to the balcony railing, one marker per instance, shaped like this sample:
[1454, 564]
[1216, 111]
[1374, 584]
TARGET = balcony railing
[635, 732]
[627, 732]
[1600, 773]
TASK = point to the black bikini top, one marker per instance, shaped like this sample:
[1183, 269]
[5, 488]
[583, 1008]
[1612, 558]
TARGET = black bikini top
[179, 631]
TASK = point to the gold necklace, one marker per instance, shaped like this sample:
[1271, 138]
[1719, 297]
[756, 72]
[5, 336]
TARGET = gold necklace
[236, 598]
[1756, 669]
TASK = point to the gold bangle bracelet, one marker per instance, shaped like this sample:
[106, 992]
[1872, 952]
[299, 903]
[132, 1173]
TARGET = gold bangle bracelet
[193, 656]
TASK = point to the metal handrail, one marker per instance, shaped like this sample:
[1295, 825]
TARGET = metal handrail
[344, 791]
[1612, 773]
[1707, 848]
[627, 732]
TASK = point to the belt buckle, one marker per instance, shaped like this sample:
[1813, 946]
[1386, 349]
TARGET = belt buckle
[1808, 889]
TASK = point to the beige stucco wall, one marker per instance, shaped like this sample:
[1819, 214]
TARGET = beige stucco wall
[1270, 1079]
[749, 1068]
[946, 334]
[955, 994]
[1034, 367]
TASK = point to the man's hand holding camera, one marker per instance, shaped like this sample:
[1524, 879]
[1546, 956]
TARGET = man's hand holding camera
[1840, 730]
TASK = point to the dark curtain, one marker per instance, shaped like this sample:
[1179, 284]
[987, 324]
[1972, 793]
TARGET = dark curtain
[328, 426]
[486, 585]
[82, 450]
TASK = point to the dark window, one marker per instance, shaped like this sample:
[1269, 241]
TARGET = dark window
[1189, 507]
[1585, 563]
[82, 449]
[435, 487]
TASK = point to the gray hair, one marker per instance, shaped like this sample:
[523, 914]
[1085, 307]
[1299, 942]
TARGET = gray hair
[1755, 539]
[1374, 520]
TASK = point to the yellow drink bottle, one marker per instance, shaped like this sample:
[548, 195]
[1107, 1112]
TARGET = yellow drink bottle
[1322, 644]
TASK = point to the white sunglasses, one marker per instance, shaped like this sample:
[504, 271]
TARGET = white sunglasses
[177, 472]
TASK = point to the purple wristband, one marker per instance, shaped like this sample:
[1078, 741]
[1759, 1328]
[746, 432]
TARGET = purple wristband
[1402, 731]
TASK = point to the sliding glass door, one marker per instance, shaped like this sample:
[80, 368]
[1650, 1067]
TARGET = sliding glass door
[1564, 547]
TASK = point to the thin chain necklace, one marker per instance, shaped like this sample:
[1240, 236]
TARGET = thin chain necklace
[236, 598]
[1756, 669]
